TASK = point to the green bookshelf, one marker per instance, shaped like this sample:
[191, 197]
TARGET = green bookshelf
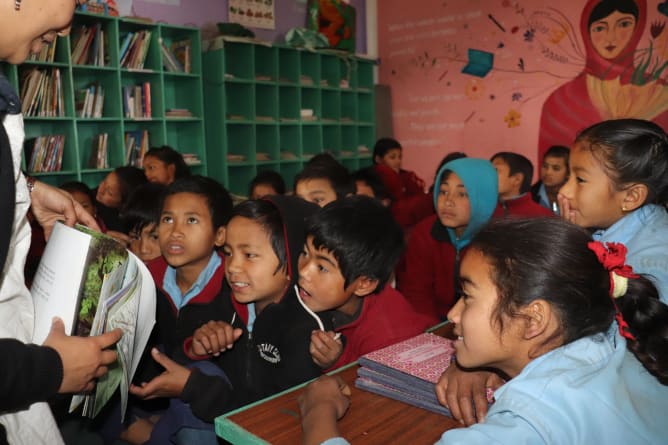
[254, 95]
[168, 91]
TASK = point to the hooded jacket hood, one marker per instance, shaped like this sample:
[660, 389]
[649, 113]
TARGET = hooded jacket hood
[482, 186]
[622, 65]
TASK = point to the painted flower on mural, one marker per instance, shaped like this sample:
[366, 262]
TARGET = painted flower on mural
[474, 89]
[557, 34]
[512, 119]
[657, 28]
[516, 97]
[529, 34]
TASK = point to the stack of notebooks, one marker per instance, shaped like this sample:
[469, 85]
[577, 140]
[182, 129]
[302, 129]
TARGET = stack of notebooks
[407, 371]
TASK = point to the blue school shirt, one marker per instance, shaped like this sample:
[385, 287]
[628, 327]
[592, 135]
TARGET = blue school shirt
[591, 391]
[645, 234]
[174, 292]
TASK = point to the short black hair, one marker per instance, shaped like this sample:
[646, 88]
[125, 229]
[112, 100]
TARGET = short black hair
[270, 178]
[337, 175]
[370, 177]
[361, 234]
[76, 186]
[129, 178]
[217, 197]
[169, 156]
[383, 145]
[517, 164]
[142, 207]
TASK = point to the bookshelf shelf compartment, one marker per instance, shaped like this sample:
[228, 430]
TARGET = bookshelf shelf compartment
[168, 90]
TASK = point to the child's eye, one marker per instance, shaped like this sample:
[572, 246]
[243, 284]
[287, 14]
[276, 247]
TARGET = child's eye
[250, 256]
[192, 220]
[463, 195]
[153, 236]
[135, 236]
[166, 219]
[322, 268]
[443, 193]
[227, 253]
[580, 180]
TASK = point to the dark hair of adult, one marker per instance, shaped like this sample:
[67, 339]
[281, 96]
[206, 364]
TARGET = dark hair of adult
[607, 7]
[548, 258]
[370, 177]
[129, 178]
[142, 207]
[631, 151]
[361, 234]
[169, 156]
[382, 146]
[76, 186]
[270, 178]
[218, 199]
[337, 175]
[517, 164]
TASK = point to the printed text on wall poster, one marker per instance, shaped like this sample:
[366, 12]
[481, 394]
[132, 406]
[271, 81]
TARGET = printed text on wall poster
[253, 13]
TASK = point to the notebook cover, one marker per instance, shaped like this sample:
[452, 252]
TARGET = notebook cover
[406, 397]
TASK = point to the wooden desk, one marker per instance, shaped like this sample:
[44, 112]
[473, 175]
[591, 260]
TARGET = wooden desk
[371, 419]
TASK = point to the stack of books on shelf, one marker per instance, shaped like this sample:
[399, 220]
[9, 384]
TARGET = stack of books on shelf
[182, 50]
[178, 112]
[191, 159]
[88, 46]
[89, 101]
[407, 371]
[171, 62]
[98, 152]
[134, 48]
[46, 153]
[136, 146]
[137, 101]
[42, 93]
[46, 54]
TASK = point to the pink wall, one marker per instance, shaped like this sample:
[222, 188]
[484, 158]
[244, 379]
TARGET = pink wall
[289, 14]
[537, 47]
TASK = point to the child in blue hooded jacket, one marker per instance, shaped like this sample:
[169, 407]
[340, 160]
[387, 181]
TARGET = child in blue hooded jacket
[466, 192]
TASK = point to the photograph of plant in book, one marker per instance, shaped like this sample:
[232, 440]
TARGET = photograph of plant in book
[105, 256]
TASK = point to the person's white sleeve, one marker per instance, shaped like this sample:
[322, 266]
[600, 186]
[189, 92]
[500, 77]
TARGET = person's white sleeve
[502, 428]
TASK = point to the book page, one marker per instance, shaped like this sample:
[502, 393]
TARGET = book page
[55, 289]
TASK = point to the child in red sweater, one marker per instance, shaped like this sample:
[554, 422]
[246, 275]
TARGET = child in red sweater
[352, 246]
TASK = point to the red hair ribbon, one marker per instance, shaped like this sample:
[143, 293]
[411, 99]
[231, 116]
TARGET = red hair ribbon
[613, 257]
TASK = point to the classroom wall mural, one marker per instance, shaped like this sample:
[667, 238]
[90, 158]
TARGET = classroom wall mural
[483, 76]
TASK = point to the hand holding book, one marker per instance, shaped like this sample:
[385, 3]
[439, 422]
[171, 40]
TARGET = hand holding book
[84, 359]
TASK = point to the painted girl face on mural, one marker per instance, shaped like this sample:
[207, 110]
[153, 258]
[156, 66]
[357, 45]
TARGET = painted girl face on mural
[611, 34]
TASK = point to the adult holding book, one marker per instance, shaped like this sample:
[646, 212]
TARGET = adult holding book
[64, 364]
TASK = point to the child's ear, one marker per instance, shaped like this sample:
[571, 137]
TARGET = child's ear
[539, 317]
[634, 197]
[219, 239]
[363, 286]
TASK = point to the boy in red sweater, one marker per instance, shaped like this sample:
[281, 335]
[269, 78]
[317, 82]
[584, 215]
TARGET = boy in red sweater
[352, 246]
[515, 173]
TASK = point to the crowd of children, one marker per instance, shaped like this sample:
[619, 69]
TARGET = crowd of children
[261, 296]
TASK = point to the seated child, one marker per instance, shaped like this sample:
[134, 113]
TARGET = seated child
[515, 173]
[352, 246]
[189, 277]
[112, 193]
[466, 196]
[140, 217]
[258, 333]
[553, 175]
[266, 183]
[323, 180]
[368, 183]
[541, 311]
[163, 165]
[410, 203]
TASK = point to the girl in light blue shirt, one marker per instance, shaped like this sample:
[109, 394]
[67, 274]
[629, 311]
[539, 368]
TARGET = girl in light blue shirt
[539, 299]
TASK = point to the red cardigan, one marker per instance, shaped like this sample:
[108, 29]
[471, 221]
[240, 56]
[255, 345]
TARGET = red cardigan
[386, 318]
[522, 206]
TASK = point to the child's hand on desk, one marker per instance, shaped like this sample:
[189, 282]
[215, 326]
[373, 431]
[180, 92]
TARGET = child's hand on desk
[464, 393]
[168, 384]
[323, 402]
[325, 348]
[214, 337]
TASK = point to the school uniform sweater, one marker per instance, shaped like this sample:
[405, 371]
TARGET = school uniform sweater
[384, 319]
[272, 353]
[522, 206]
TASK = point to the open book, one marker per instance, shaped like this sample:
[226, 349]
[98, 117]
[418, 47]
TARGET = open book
[95, 285]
